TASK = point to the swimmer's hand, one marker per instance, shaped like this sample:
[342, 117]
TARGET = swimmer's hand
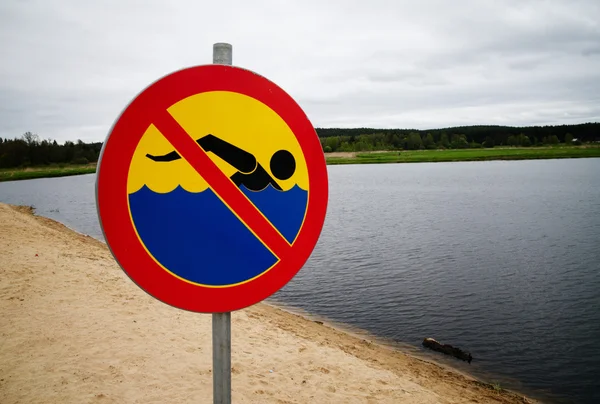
[166, 157]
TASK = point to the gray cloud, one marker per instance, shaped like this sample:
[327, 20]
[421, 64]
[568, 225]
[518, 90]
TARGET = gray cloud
[70, 67]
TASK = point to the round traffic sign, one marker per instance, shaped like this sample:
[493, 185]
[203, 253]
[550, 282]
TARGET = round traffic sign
[212, 188]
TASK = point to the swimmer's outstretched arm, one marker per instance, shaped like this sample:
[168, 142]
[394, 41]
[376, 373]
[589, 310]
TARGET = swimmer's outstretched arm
[238, 158]
[166, 157]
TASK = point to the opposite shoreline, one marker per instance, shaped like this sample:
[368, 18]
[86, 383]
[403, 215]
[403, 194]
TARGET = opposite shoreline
[76, 329]
[372, 157]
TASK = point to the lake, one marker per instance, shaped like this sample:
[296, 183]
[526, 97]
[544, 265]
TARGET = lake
[500, 258]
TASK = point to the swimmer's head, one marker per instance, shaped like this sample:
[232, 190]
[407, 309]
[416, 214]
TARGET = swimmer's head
[283, 164]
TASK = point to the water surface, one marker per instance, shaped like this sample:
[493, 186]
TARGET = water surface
[501, 258]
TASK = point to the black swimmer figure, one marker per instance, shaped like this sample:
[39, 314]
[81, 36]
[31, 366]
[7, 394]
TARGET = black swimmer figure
[250, 173]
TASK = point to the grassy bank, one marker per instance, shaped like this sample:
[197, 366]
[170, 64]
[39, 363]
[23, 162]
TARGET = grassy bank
[417, 156]
[14, 174]
[423, 156]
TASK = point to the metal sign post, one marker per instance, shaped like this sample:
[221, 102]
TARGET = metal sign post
[221, 322]
[239, 222]
[221, 339]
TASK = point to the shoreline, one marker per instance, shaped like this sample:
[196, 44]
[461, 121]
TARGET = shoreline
[485, 378]
[367, 157]
[371, 369]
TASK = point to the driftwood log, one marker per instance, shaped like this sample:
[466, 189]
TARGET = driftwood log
[447, 349]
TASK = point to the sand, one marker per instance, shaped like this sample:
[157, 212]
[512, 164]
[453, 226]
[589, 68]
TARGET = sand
[75, 329]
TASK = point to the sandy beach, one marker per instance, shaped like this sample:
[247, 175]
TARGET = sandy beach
[75, 329]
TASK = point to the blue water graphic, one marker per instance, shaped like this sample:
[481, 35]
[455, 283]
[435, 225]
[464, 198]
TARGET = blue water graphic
[285, 209]
[196, 237]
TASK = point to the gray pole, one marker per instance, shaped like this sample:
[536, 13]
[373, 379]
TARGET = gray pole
[222, 54]
[221, 322]
[221, 337]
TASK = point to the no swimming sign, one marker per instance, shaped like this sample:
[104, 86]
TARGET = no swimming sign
[212, 188]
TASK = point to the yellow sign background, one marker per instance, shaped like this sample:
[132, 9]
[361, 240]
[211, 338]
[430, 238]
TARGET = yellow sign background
[235, 118]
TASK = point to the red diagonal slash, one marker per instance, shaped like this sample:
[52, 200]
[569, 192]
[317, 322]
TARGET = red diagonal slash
[221, 184]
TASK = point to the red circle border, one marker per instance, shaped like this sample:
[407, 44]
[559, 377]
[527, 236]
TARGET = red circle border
[111, 188]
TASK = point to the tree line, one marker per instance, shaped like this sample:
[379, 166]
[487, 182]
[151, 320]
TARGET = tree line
[460, 137]
[30, 150]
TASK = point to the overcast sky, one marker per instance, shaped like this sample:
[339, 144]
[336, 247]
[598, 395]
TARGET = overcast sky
[69, 67]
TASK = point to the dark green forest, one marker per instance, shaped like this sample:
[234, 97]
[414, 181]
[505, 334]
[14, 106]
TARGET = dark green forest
[29, 150]
[460, 137]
